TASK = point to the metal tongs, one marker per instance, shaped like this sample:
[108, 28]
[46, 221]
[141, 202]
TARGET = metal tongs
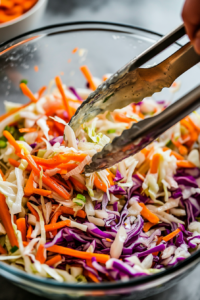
[132, 84]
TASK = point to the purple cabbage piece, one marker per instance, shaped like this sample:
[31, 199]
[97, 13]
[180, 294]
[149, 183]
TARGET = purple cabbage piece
[158, 248]
[115, 206]
[73, 90]
[173, 263]
[186, 181]
[124, 268]
[58, 139]
[94, 230]
[190, 241]
[194, 172]
[98, 205]
[179, 239]
[33, 145]
[116, 190]
[118, 176]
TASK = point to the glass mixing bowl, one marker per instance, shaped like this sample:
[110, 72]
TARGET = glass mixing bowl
[104, 47]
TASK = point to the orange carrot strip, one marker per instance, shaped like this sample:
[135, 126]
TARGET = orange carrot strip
[54, 220]
[155, 163]
[6, 220]
[16, 164]
[193, 124]
[147, 226]
[144, 167]
[29, 232]
[88, 76]
[69, 211]
[3, 176]
[145, 151]
[40, 254]
[58, 225]
[54, 260]
[178, 156]
[27, 92]
[32, 210]
[48, 180]
[102, 258]
[171, 235]
[36, 68]
[42, 192]
[21, 226]
[25, 243]
[58, 159]
[3, 250]
[78, 184]
[22, 130]
[12, 141]
[75, 50]
[147, 214]
[119, 117]
[91, 276]
[41, 91]
[99, 184]
[68, 166]
[64, 97]
[185, 164]
[28, 190]
[183, 150]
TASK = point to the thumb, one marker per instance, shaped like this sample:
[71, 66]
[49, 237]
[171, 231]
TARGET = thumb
[196, 42]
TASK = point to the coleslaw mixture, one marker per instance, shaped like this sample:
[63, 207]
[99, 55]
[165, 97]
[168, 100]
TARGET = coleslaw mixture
[134, 219]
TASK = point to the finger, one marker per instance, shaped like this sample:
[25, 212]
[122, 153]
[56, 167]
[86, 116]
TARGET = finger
[191, 17]
[197, 42]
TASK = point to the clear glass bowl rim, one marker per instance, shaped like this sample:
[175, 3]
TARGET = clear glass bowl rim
[104, 285]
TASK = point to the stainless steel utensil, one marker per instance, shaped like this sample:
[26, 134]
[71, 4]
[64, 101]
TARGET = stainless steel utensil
[132, 84]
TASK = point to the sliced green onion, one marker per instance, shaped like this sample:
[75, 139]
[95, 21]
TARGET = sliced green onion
[111, 131]
[24, 81]
[81, 278]
[81, 197]
[169, 143]
[3, 144]
[14, 249]
[21, 138]
[78, 202]
[11, 129]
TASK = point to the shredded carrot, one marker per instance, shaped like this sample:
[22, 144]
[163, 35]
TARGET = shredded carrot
[74, 50]
[16, 164]
[25, 243]
[41, 91]
[32, 210]
[193, 124]
[58, 225]
[178, 156]
[27, 92]
[99, 183]
[28, 190]
[12, 141]
[91, 276]
[29, 232]
[21, 226]
[3, 250]
[54, 220]
[42, 192]
[6, 220]
[1, 173]
[36, 68]
[69, 211]
[171, 235]
[147, 214]
[40, 256]
[175, 142]
[54, 260]
[185, 164]
[67, 166]
[160, 238]
[119, 117]
[88, 76]
[64, 97]
[145, 151]
[147, 226]
[102, 258]
[22, 130]
[183, 150]
[155, 163]
[59, 159]
[78, 184]
[48, 180]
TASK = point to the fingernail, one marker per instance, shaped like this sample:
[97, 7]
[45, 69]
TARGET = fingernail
[197, 45]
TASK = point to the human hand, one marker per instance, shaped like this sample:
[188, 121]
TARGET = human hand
[191, 18]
